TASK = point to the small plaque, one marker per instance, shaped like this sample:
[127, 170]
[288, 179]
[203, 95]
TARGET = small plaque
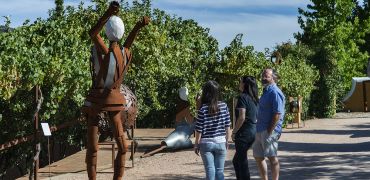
[46, 129]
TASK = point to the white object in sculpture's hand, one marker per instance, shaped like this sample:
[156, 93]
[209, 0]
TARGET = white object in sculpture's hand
[114, 28]
[183, 93]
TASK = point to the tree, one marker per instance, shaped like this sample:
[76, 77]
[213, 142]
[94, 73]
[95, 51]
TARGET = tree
[363, 14]
[59, 8]
[297, 75]
[236, 61]
[333, 33]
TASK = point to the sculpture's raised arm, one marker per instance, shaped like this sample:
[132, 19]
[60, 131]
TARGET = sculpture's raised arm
[131, 37]
[95, 30]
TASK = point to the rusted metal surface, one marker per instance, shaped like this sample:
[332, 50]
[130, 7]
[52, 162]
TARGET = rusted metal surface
[128, 116]
[105, 94]
[130, 111]
[133, 145]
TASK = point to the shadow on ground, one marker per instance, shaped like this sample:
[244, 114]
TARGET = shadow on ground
[348, 166]
[353, 133]
[323, 161]
[320, 147]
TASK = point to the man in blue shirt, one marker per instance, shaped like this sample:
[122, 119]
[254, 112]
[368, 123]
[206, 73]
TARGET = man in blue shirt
[269, 125]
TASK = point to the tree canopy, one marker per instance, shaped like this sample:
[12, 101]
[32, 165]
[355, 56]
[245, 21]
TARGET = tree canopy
[334, 32]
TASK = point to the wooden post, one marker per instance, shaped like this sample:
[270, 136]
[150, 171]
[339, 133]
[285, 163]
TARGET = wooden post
[233, 111]
[113, 153]
[296, 110]
[49, 156]
[113, 145]
[154, 151]
[36, 126]
[132, 145]
[365, 95]
[298, 114]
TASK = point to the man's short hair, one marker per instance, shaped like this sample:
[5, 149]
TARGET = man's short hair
[275, 74]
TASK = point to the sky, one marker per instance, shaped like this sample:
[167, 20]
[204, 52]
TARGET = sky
[264, 23]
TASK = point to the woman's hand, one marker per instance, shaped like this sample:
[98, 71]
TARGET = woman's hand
[233, 137]
[196, 149]
[196, 143]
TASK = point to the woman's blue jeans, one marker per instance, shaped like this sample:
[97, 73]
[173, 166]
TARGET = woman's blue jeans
[213, 156]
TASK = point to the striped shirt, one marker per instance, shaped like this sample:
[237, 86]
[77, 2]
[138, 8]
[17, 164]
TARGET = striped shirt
[213, 126]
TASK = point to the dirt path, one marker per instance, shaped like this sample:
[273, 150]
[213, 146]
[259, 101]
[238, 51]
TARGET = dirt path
[324, 149]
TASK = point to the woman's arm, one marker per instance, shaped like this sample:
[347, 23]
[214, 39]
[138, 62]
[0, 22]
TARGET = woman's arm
[227, 129]
[239, 121]
[196, 143]
[198, 130]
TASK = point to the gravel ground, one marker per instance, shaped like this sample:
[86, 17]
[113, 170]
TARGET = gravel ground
[337, 148]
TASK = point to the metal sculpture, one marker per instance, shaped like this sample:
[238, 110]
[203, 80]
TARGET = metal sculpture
[109, 65]
[128, 116]
[180, 137]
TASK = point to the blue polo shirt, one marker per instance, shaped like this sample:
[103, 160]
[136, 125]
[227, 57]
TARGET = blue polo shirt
[271, 102]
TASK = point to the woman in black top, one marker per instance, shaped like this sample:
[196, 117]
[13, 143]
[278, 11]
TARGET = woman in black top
[245, 128]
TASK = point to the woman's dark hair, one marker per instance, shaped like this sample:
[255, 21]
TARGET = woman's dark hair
[250, 87]
[210, 95]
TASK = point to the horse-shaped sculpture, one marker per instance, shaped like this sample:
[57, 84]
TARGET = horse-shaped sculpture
[128, 117]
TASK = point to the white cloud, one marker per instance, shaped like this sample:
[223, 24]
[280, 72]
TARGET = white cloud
[20, 10]
[13, 7]
[232, 3]
[264, 23]
[260, 30]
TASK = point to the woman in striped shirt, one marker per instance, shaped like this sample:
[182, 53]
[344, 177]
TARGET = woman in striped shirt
[212, 130]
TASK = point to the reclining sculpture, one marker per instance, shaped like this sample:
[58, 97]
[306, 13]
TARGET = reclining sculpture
[185, 124]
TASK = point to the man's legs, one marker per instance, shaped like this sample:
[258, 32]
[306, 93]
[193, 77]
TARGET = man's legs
[259, 155]
[271, 153]
[266, 145]
[92, 146]
[119, 136]
[275, 167]
[262, 167]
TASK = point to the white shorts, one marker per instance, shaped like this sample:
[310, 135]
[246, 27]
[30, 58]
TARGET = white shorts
[266, 145]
